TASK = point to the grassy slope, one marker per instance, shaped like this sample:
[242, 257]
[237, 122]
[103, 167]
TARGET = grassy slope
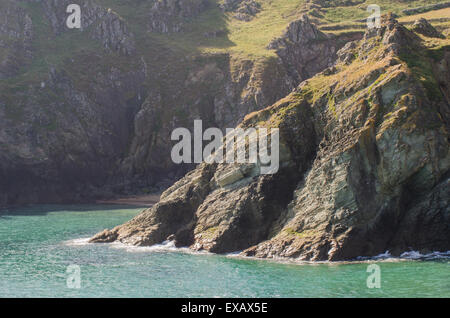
[345, 14]
[340, 19]
[250, 39]
[244, 40]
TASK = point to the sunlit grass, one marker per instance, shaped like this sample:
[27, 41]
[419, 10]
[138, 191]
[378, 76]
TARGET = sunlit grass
[358, 12]
[249, 40]
[436, 14]
[244, 39]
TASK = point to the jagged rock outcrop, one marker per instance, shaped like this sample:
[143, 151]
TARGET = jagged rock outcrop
[360, 195]
[56, 13]
[168, 16]
[244, 10]
[305, 50]
[114, 35]
[101, 23]
[364, 167]
[422, 26]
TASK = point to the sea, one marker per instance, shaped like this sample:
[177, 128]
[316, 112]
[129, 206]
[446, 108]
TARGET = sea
[44, 252]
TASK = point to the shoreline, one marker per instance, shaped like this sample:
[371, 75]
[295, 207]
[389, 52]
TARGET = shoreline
[169, 246]
[147, 200]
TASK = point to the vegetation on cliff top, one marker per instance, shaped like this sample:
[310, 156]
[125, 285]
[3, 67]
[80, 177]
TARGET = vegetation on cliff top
[340, 87]
[242, 39]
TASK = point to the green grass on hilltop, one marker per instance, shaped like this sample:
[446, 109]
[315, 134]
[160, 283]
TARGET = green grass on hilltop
[352, 13]
[242, 40]
[245, 39]
[249, 40]
[351, 18]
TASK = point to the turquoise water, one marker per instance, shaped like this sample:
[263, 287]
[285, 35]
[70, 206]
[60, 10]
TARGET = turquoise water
[37, 244]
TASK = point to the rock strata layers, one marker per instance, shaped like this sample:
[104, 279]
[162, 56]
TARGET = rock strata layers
[364, 165]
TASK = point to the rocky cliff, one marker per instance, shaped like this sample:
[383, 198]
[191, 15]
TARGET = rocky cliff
[88, 113]
[16, 28]
[365, 161]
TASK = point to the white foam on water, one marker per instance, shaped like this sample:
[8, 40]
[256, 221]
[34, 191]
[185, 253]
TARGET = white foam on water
[234, 254]
[169, 246]
[429, 256]
[385, 255]
[78, 242]
[409, 255]
[166, 246]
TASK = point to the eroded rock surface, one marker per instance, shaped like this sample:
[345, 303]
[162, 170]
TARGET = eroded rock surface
[364, 167]
[305, 50]
[244, 10]
[101, 23]
[422, 26]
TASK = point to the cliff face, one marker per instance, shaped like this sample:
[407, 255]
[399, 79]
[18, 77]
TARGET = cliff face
[221, 90]
[305, 50]
[364, 119]
[16, 30]
[88, 113]
[364, 167]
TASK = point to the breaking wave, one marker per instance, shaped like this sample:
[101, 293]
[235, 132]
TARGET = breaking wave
[166, 246]
[169, 246]
[410, 255]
